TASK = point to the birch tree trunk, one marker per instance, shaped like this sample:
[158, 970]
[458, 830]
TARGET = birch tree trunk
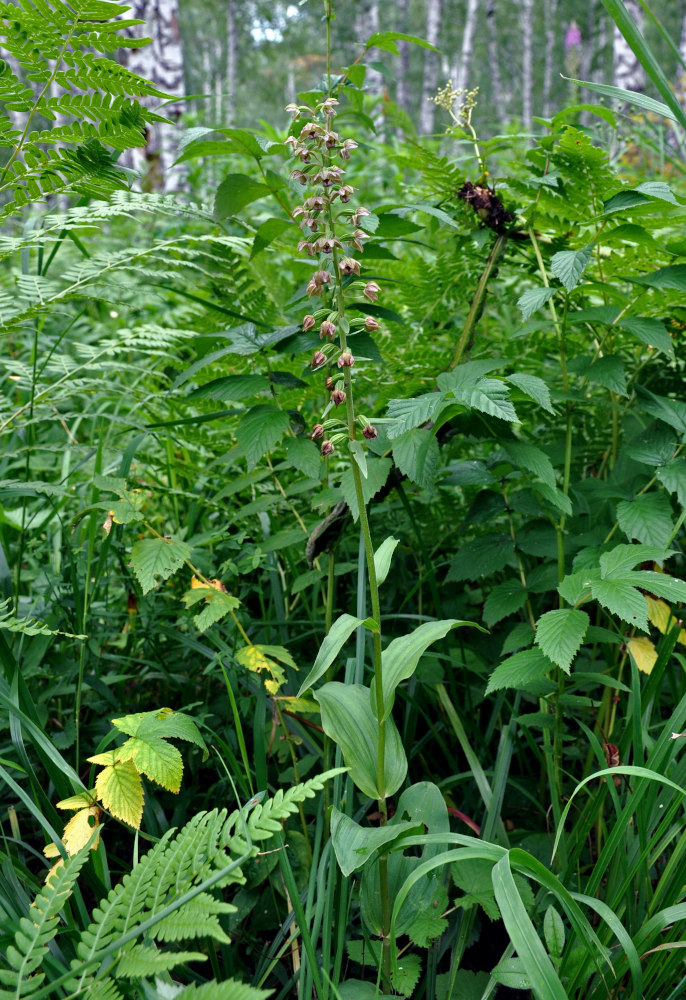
[550, 24]
[494, 61]
[231, 61]
[461, 77]
[430, 81]
[161, 62]
[402, 89]
[526, 10]
[366, 24]
[628, 72]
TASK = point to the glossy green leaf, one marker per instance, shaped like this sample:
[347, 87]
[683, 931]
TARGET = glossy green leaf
[622, 599]
[347, 719]
[383, 557]
[338, 635]
[539, 969]
[401, 656]
[354, 844]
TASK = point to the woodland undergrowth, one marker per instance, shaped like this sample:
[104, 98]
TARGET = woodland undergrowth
[341, 542]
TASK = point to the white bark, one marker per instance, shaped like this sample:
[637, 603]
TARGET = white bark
[551, 30]
[628, 72]
[367, 24]
[494, 61]
[161, 62]
[526, 10]
[461, 77]
[430, 81]
[402, 89]
[232, 61]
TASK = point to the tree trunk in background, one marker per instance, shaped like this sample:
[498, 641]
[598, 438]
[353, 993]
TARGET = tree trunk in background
[161, 62]
[628, 72]
[526, 10]
[494, 62]
[232, 61]
[366, 24]
[551, 30]
[402, 89]
[433, 27]
[461, 77]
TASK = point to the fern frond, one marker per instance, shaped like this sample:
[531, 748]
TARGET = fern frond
[229, 989]
[32, 939]
[145, 960]
[28, 626]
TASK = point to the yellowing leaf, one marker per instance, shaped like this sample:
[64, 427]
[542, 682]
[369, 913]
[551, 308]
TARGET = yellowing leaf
[254, 659]
[83, 799]
[120, 790]
[156, 758]
[218, 603]
[660, 614]
[77, 832]
[643, 653]
[304, 705]
[104, 759]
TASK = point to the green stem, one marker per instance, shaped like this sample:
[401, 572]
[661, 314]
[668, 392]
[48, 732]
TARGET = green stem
[477, 302]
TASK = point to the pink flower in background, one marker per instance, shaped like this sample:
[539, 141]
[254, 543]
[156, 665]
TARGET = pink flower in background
[573, 36]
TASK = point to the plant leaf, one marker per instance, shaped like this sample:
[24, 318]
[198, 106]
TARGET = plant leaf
[259, 430]
[643, 653]
[401, 656]
[382, 558]
[348, 720]
[532, 300]
[525, 670]
[120, 789]
[560, 633]
[338, 635]
[569, 265]
[647, 518]
[235, 192]
[157, 557]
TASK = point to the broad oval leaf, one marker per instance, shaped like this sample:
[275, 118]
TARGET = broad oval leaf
[401, 656]
[348, 720]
